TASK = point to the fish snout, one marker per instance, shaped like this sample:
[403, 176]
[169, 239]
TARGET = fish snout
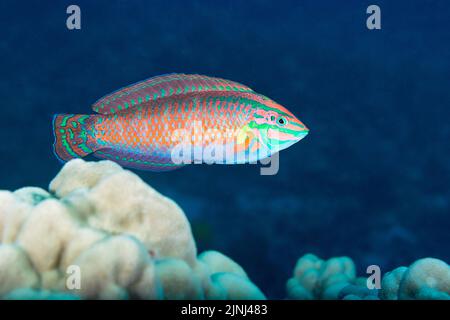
[298, 129]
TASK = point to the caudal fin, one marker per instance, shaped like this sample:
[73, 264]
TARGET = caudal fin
[71, 137]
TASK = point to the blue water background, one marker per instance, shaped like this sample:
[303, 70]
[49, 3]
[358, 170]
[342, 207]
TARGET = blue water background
[371, 181]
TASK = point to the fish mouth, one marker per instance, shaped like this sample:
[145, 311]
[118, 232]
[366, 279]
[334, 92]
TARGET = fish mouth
[284, 139]
[302, 133]
[288, 136]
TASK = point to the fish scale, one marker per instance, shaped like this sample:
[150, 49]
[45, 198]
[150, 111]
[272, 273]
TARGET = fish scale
[160, 121]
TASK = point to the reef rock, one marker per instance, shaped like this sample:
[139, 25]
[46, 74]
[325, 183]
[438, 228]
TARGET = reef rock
[120, 236]
[315, 278]
[425, 279]
[119, 201]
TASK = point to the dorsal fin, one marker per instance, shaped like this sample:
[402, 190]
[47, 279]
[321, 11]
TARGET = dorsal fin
[175, 84]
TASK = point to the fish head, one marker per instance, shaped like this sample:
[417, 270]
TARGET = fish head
[276, 127]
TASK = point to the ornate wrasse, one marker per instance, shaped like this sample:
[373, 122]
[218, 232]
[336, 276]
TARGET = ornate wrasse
[164, 122]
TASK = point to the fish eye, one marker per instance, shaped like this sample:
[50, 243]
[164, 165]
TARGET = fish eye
[281, 121]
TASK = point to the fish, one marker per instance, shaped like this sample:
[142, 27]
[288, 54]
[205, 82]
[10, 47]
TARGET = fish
[168, 121]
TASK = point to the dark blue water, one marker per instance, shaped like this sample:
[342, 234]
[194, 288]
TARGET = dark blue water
[371, 181]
